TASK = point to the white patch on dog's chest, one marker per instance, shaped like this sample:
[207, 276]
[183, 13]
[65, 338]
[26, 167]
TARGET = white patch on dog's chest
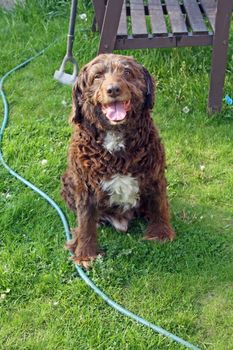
[123, 190]
[113, 142]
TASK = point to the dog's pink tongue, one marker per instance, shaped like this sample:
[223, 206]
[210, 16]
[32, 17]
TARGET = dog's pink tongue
[115, 111]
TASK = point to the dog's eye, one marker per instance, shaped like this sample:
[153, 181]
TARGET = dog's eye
[127, 72]
[97, 76]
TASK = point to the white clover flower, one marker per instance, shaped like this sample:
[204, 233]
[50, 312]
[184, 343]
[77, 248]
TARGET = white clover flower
[202, 167]
[3, 296]
[44, 162]
[186, 110]
[83, 16]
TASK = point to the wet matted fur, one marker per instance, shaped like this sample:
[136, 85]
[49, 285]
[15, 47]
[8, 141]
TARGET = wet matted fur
[116, 160]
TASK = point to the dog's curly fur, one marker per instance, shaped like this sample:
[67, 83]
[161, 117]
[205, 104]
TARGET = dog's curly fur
[115, 165]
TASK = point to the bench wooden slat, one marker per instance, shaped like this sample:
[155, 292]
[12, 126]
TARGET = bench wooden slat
[122, 29]
[158, 23]
[176, 17]
[210, 8]
[195, 16]
[138, 20]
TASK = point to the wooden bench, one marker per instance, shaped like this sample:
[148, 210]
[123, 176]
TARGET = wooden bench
[138, 24]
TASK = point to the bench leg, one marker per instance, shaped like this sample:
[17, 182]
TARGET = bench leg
[110, 26]
[99, 8]
[219, 55]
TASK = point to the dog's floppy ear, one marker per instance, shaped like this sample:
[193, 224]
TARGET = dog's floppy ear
[150, 89]
[79, 86]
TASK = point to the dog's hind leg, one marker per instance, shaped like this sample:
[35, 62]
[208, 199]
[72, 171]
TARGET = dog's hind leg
[157, 210]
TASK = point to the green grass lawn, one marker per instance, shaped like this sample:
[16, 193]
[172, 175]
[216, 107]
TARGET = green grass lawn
[185, 286]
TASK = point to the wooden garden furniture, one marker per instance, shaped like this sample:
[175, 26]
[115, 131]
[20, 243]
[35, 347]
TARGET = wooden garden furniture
[138, 24]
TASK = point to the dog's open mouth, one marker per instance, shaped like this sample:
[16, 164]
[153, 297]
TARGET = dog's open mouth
[116, 111]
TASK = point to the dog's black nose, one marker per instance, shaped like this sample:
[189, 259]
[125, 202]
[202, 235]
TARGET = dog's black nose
[113, 90]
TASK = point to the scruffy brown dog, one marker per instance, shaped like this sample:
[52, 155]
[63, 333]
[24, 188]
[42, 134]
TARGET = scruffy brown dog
[116, 160]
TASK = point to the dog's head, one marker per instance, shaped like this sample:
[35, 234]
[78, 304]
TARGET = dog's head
[114, 88]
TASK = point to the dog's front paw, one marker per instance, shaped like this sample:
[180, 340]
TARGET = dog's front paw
[83, 263]
[85, 256]
[160, 232]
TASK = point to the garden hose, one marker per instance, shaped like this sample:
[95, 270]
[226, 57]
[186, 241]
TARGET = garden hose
[81, 273]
